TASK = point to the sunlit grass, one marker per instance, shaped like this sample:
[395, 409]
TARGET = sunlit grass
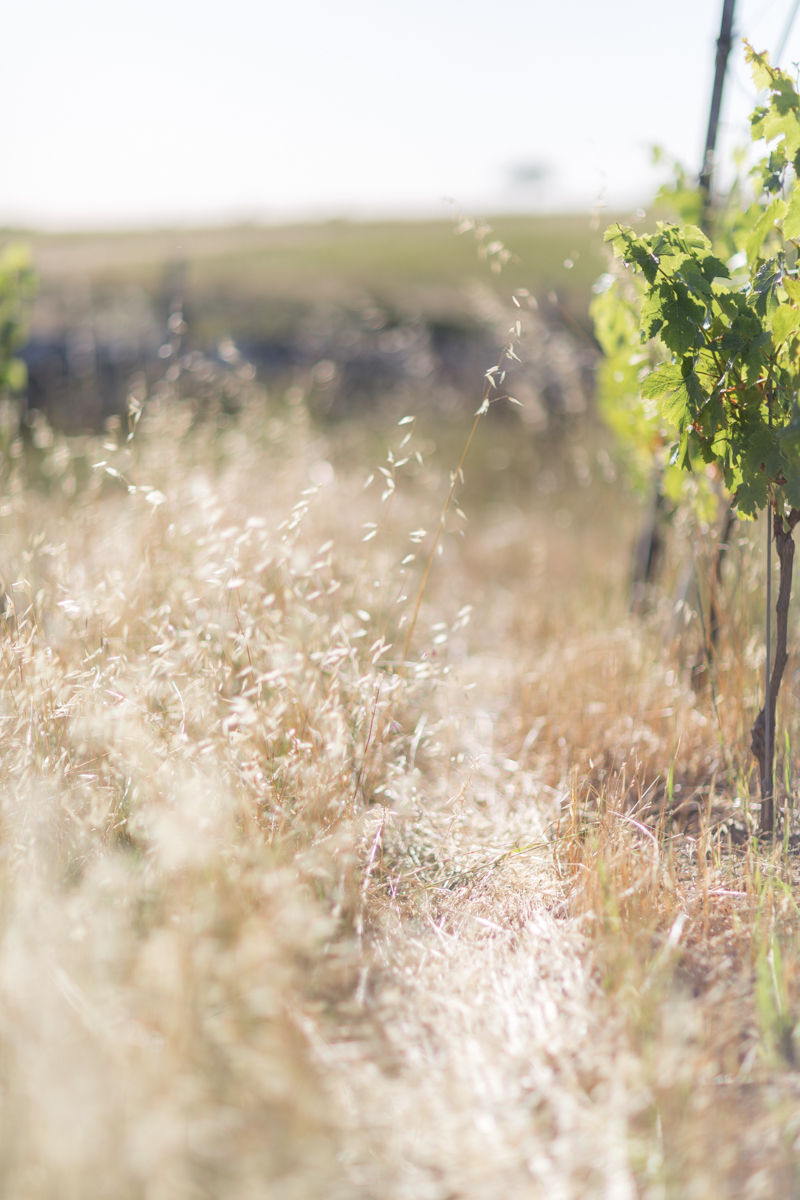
[286, 915]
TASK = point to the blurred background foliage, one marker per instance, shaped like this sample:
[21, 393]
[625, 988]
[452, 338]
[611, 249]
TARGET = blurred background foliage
[360, 312]
[17, 287]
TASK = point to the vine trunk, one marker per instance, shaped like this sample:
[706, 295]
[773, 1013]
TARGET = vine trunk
[765, 755]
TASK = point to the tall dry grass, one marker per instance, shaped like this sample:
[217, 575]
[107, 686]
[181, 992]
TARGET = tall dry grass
[283, 915]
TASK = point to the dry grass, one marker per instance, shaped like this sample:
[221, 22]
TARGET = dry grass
[283, 916]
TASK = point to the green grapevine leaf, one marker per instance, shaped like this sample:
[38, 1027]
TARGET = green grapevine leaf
[763, 226]
[682, 317]
[678, 391]
[791, 489]
[632, 249]
[662, 381]
[789, 436]
[785, 320]
[763, 296]
[791, 223]
[762, 72]
[752, 494]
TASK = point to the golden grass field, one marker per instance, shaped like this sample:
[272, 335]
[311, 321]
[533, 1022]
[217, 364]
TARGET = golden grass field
[288, 913]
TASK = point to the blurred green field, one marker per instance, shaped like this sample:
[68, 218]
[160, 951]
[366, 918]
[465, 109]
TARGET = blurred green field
[258, 277]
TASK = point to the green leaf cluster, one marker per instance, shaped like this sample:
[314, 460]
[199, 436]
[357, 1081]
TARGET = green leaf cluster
[17, 285]
[703, 349]
[635, 424]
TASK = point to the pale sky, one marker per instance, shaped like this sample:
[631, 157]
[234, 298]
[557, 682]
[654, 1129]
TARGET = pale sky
[132, 112]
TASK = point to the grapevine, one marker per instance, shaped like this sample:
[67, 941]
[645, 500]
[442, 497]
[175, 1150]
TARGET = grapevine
[705, 351]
